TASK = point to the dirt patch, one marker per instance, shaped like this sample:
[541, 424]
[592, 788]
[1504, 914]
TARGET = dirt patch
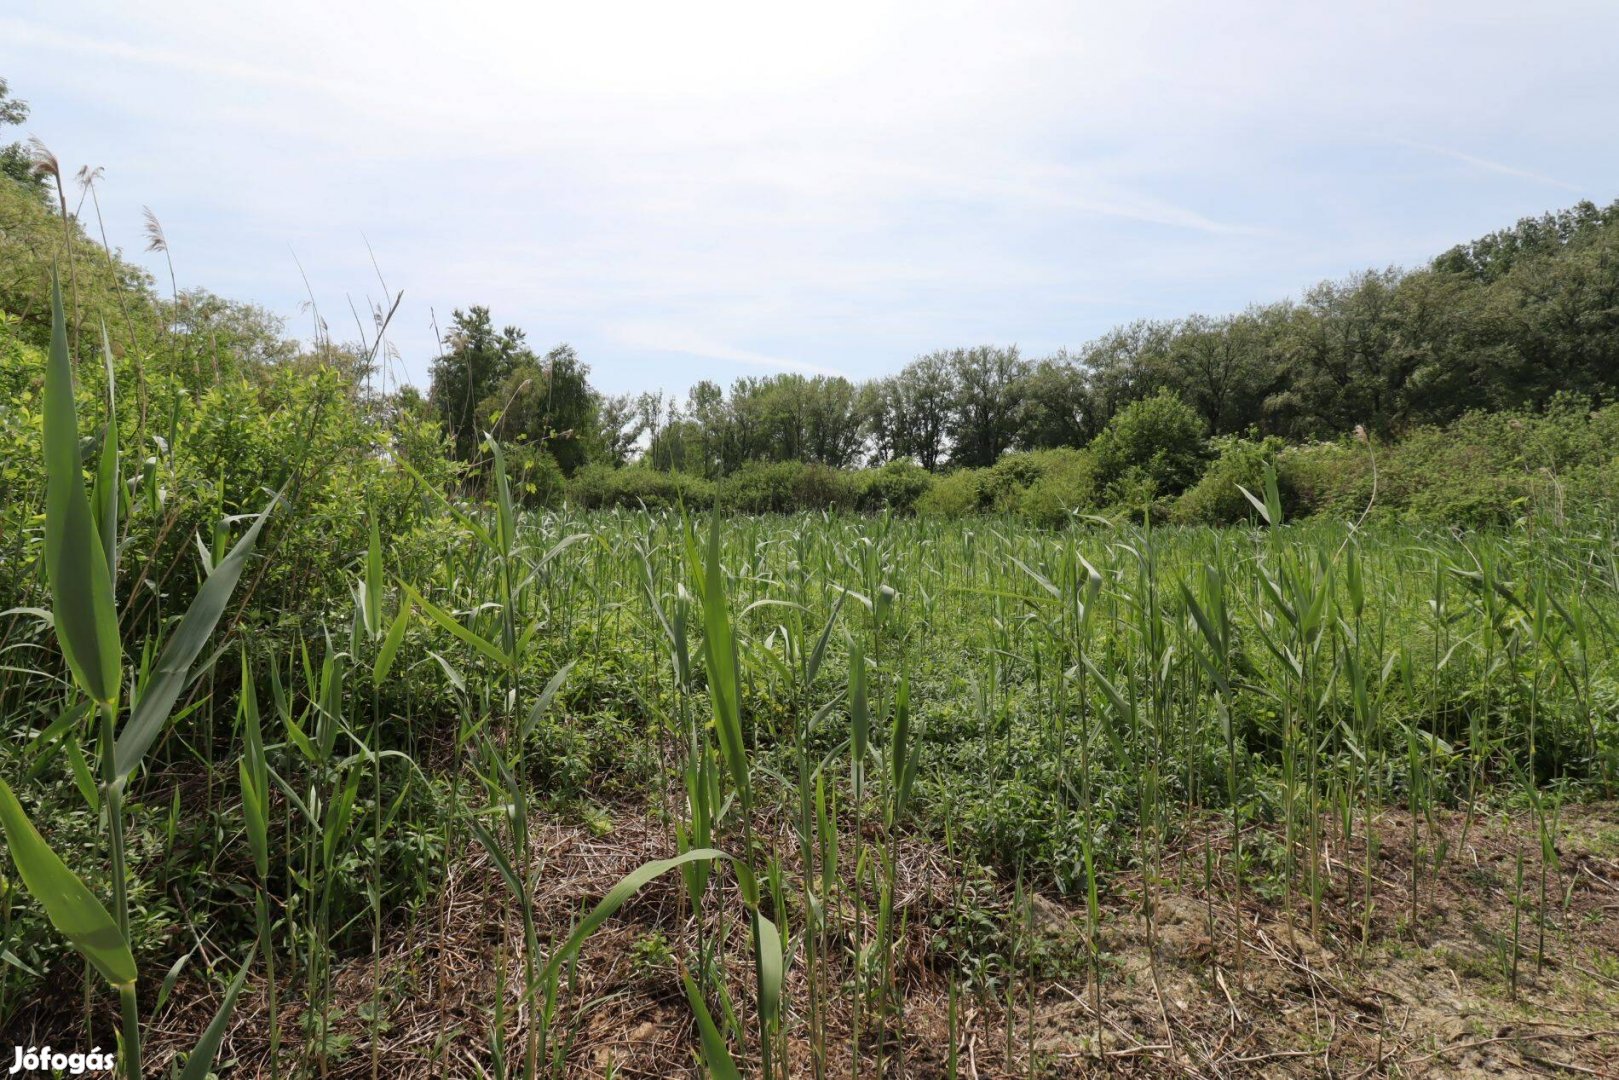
[1193, 983]
[1435, 996]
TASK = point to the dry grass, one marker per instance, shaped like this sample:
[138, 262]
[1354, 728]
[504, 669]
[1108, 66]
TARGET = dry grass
[1429, 1001]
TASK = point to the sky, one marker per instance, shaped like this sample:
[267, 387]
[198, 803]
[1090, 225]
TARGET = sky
[712, 190]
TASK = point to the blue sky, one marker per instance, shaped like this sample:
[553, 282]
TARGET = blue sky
[708, 190]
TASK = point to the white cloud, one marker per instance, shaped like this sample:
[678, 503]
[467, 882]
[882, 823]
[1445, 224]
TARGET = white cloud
[753, 184]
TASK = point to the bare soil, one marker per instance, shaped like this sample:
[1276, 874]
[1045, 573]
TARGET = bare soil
[1205, 987]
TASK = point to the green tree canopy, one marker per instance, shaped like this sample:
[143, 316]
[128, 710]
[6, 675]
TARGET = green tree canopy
[476, 361]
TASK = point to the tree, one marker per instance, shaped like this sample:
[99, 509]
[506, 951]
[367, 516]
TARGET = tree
[1560, 314]
[984, 408]
[1491, 257]
[620, 423]
[908, 414]
[713, 439]
[1222, 366]
[548, 404]
[16, 163]
[1445, 347]
[476, 361]
[110, 291]
[834, 424]
[226, 336]
[1125, 364]
[1346, 367]
[571, 405]
[678, 446]
[1055, 407]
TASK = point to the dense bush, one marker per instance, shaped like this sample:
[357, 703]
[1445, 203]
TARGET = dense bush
[22, 367]
[1486, 469]
[1498, 468]
[31, 238]
[1068, 484]
[536, 477]
[896, 485]
[954, 494]
[200, 461]
[1332, 479]
[1155, 446]
[1002, 484]
[1216, 499]
[1044, 485]
[784, 487]
[600, 486]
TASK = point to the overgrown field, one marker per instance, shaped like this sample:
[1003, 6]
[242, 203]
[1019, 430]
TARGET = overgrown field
[629, 793]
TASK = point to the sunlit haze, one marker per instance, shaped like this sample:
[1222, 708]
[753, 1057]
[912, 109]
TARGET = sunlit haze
[702, 190]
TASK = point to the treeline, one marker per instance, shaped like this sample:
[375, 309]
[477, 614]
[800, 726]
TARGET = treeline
[1485, 469]
[1505, 322]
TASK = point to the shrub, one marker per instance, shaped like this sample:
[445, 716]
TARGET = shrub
[1067, 484]
[1483, 470]
[600, 486]
[954, 494]
[1454, 477]
[1590, 480]
[784, 487]
[536, 478]
[22, 372]
[1216, 498]
[1042, 484]
[1161, 439]
[1329, 478]
[897, 486]
[1005, 481]
[821, 487]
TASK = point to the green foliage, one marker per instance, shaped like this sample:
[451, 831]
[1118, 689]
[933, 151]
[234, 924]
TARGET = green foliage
[15, 163]
[897, 485]
[954, 494]
[536, 478]
[1043, 485]
[787, 486]
[71, 907]
[1156, 445]
[468, 375]
[601, 487]
[99, 289]
[908, 414]
[780, 418]
[1069, 484]
[985, 405]
[1217, 498]
[1055, 405]
[1061, 721]
[546, 403]
[77, 567]
[1330, 479]
[1491, 257]
[1496, 469]
[1485, 470]
[22, 475]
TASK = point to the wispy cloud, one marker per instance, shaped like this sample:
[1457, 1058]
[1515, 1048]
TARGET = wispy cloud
[21, 32]
[692, 191]
[1493, 166]
[676, 338]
